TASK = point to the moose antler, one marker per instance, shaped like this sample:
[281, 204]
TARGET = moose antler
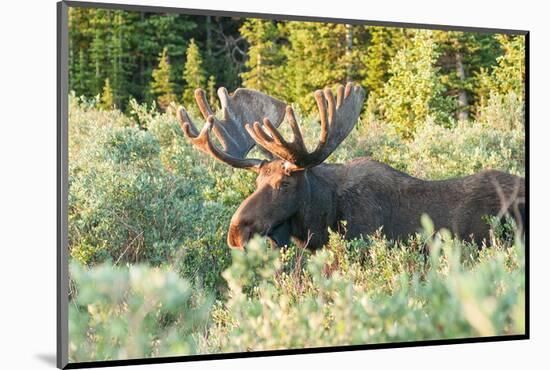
[337, 120]
[242, 106]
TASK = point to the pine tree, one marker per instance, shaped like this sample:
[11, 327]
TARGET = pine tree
[119, 56]
[463, 55]
[162, 84]
[211, 89]
[453, 49]
[100, 22]
[384, 44]
[482, 60]
[79, 69]
[316, 55]
[509, 75]
[107, 99]
[414, 91]
[501, 91]
[264, 55]
[374, 73]
[288, 60]
[193, 73]
[79, 80]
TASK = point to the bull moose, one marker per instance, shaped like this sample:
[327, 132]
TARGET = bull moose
[299, 197]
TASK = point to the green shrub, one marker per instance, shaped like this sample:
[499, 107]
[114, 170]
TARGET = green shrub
[437, 152]
[506, 111]
[123, 202]
[140, 193]
[392, 295]
[414, 90]
[352, 292]
[132, 312]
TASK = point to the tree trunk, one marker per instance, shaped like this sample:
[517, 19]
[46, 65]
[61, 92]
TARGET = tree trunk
[349, 46]
[209, 37]
[462, 95]
[142, 63]
[259, 77]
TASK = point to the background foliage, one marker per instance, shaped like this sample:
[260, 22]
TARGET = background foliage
[151, 274]
[409, 74]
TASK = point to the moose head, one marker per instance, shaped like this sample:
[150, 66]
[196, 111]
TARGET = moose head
[281, 205]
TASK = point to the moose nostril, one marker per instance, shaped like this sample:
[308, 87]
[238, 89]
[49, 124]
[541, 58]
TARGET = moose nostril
[245, 236]
[240, 233]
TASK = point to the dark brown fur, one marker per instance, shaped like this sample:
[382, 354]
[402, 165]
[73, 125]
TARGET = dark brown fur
[299, 197]
[368, 195]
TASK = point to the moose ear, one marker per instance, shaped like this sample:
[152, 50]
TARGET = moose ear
[288, 168]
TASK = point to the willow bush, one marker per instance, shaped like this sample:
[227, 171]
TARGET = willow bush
[352, 292]
[151, 274]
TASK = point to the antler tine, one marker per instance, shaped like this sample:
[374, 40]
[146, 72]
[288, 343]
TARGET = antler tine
[274, 142]
[202, 102]
[203, 142]
[221, 133]
[340, 96]
[291, 117]
[322, 107]
[338, 117]
[242, 106]
[275, 135]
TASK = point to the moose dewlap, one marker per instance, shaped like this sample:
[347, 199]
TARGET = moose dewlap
[299, 197]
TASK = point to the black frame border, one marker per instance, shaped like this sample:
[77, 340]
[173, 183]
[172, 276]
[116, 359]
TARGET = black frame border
[62, 187]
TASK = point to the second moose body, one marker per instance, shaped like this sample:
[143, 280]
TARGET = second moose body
[299, 197]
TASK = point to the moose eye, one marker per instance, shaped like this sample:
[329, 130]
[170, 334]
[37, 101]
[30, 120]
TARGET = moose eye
[284, 184]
